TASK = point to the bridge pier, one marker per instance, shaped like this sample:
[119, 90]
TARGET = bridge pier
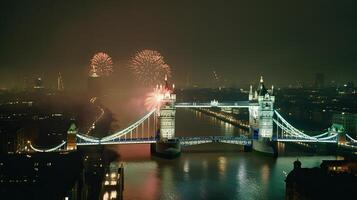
[167, 150]
[248, 148]
[265, 146]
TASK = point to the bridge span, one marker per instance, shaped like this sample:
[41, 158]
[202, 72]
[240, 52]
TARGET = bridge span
[184, 141]
[212, 104]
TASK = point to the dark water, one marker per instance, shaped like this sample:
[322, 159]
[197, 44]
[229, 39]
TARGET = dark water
[217, 175]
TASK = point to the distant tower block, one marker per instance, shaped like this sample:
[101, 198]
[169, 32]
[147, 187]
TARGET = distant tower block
[167, 112]
[38, 83]
[72, 137]
[60, 86]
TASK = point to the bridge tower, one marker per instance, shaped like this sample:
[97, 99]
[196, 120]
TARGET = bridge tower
[167, 146]
[266, 110]
[167, 112]
[72, 137]
[340, 131]
[261, 111]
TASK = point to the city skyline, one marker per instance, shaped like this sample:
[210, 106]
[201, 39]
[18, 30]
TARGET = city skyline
[238, 40]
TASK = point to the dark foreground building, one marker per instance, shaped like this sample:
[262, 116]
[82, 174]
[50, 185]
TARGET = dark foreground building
[41, 176]
[335, 179]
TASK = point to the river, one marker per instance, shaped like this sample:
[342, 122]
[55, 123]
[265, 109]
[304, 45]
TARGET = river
[206, 175]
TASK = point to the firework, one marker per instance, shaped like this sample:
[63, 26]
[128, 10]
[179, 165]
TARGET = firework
[149, 66]
[154, 99]
[101, 65]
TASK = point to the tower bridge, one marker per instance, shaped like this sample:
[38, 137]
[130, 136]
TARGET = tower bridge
[157, 127]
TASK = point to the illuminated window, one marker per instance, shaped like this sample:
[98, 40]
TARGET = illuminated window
[113, 195]
[106, 196]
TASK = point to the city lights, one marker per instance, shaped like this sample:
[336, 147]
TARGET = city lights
[196, 100]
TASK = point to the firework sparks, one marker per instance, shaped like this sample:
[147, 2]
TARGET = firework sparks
[149, 66]
[101, 65]
[154, 99]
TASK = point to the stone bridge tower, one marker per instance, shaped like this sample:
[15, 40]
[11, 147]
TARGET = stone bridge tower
[167, 146]
[167, 112]
[261, 112]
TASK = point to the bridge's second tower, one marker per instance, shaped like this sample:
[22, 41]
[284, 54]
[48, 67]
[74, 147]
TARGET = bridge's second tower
[167, 146]
[261, 111]
[265, 111]
[167, 112]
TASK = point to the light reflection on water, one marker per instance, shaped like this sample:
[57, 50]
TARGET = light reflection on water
[222, 165]
[220, 175]
[211, 176]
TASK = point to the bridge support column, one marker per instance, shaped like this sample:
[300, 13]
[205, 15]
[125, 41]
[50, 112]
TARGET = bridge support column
[261, 111]
[247, 148]
[167, 150]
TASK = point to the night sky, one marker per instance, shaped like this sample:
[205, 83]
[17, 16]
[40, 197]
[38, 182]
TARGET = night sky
[286, 41]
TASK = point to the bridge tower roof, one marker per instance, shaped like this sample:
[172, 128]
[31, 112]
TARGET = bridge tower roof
[261, 89]
[167, 86]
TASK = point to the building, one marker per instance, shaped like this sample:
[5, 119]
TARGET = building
[319, 80]
[334, 180]
[60, 85]
[113, 182]
[39, 175]
[38, 83]
[339, 166]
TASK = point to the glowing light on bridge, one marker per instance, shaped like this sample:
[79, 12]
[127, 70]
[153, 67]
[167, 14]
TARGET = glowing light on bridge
[154, 99]
[56, 148]
[149, 66]
[101, 65]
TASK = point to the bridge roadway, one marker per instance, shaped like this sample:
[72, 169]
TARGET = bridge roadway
[184, 141]
[236, 104]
